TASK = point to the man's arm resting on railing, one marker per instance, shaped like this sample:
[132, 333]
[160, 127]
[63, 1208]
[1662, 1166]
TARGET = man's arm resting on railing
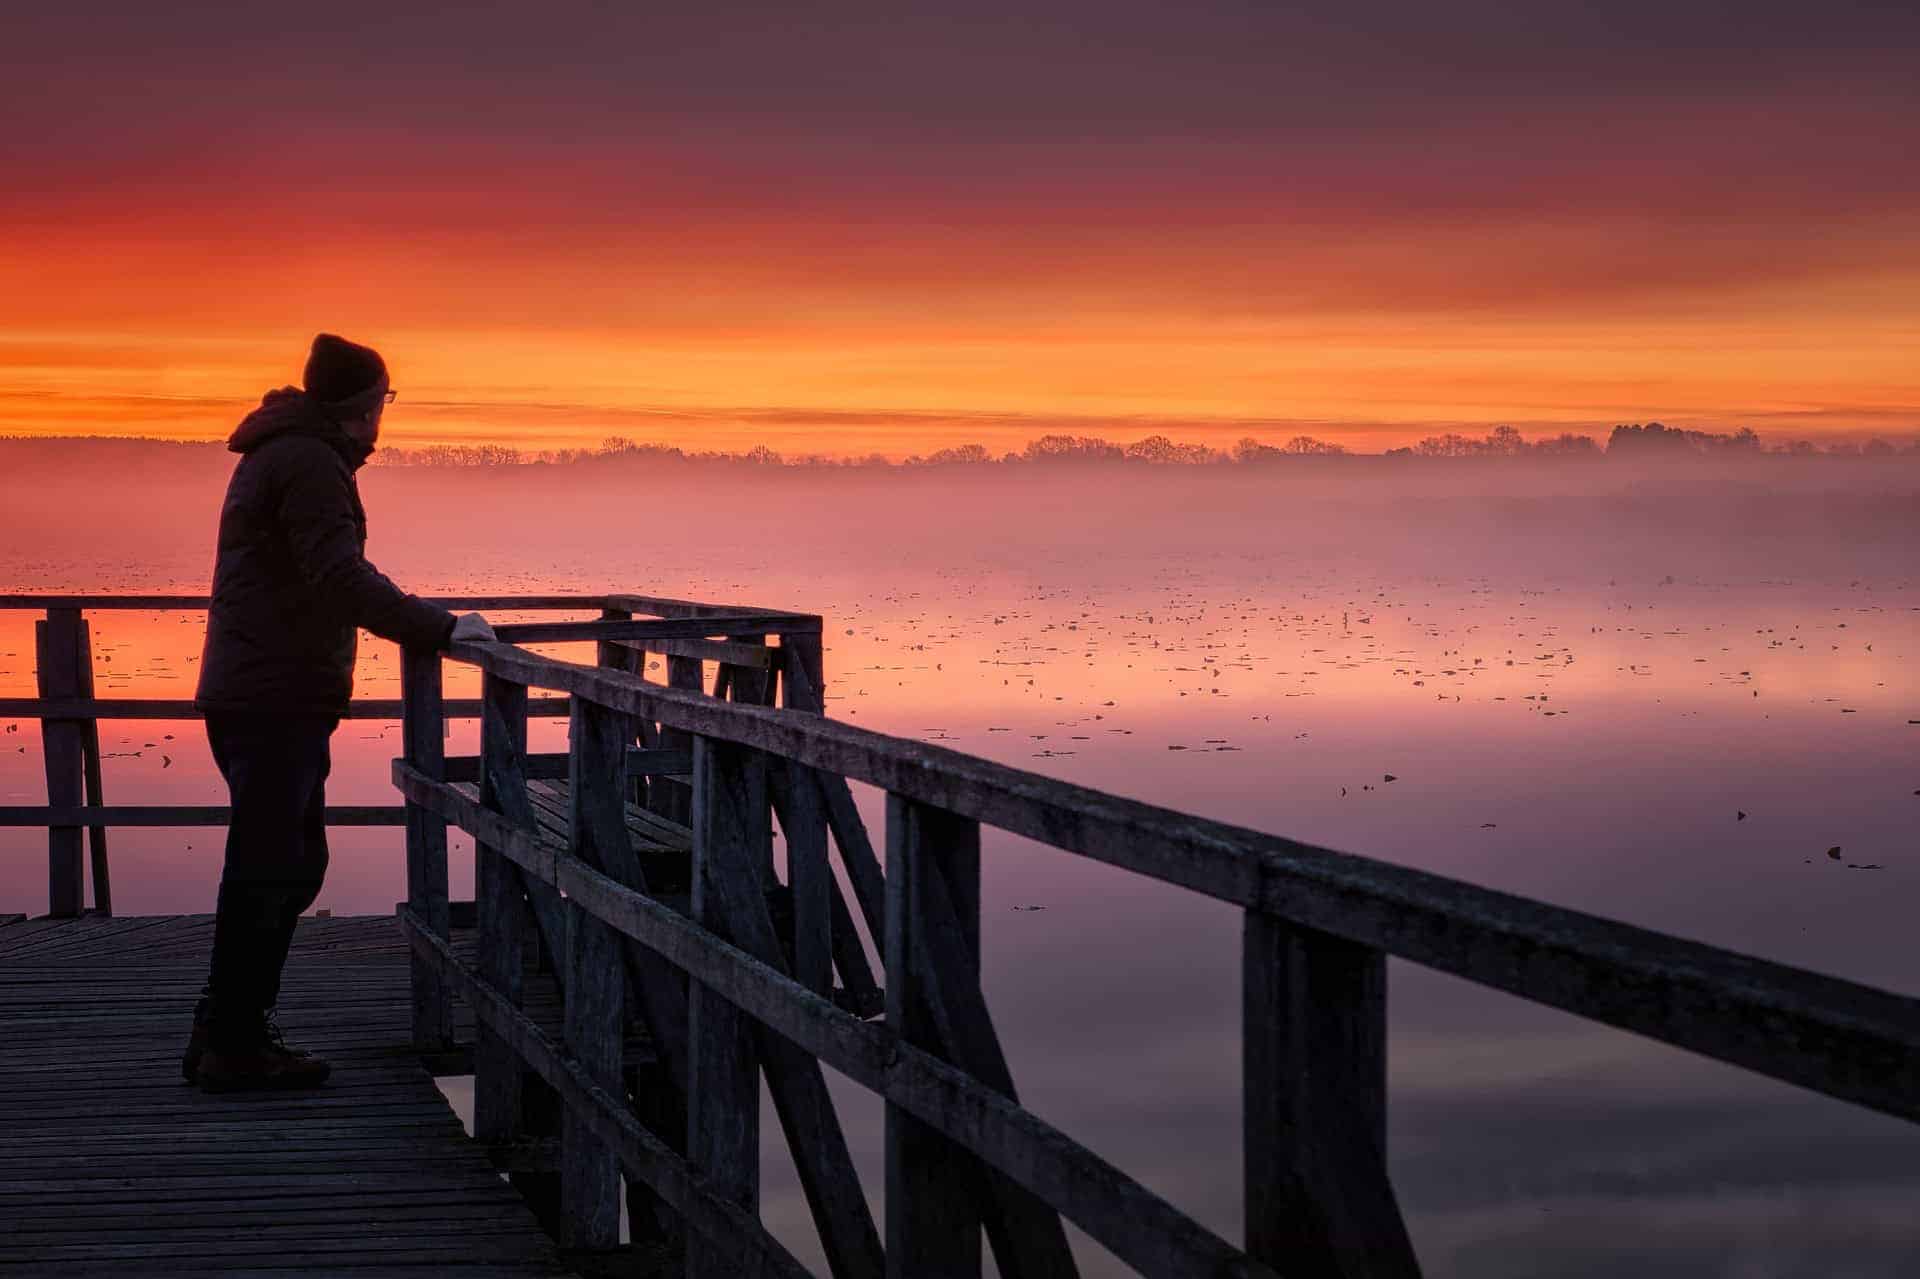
[317, 511]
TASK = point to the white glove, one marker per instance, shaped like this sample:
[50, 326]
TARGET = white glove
[471, 626]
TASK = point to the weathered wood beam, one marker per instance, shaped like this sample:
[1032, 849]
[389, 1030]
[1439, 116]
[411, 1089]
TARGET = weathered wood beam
[673, 800]
[504, 917]
[1120, 1214]
[934, 1187]
[595, 992]
[738, 912]
[752, 681]
[733, 1234]
[525, 847]
[941, 950]
[597, 826]
[621, 656]
[608, 652]
[57, 673]
[857, 856]
[803, 821]
[803, 666]
[1832, 1036]
[801, 675]
[95, 784]
[662, 606]
[503, 735]
[595, 1003]
[504, 777]
[643, 762]
[182, 815]
[756, 686]
[755, 655]
[424, 748]
[157, 603]
[723, 1075]
[1319, 1200]
[846, 952]
[1126, 1218]
[191, 603]
[547, 766]
[641, 630]
[597, 822]
[385, 708]
[617, 655]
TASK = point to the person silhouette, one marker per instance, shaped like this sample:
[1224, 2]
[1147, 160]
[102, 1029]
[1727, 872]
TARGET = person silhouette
[291, 589]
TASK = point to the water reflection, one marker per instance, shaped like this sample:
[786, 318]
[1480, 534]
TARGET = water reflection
[1588, 740]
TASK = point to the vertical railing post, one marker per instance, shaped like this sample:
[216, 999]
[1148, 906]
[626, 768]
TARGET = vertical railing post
[595, 987]
[808, 876]
[619, 657]
[753, 686]
[503, 916]
[842, 819]
[95, 784]
[423, 745]
[933, 1189]
[730, 816]
[1318, 1197]
[608, 652]
[659, 993]
[803, 654]
[57, 646]
[673, 802]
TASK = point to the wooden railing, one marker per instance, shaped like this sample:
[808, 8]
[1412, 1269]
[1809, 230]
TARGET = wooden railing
[730, 995]
[70, 716]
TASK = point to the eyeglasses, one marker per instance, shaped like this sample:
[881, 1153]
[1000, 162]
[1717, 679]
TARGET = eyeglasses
[392, 396]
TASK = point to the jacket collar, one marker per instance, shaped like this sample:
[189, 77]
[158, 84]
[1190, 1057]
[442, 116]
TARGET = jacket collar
[291, 411]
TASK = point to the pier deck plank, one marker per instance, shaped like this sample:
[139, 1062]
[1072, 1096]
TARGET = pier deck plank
[111, 1163]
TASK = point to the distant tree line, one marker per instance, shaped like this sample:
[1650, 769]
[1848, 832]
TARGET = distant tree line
[1652, 441]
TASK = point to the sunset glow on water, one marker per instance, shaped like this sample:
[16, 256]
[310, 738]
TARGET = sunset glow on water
[1575, 699]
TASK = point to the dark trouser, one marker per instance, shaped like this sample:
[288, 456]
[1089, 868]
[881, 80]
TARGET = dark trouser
[275, 766]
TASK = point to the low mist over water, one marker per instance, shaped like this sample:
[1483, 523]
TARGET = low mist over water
[1685, 697]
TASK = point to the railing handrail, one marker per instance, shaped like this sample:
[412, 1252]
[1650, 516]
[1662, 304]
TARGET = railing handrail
[70, 712]
[191, 603]
[1833, 1036]
[658, 605]
[1071, 1178]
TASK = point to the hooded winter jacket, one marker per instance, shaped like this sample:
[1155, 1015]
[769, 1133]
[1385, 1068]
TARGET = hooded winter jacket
[291, 582]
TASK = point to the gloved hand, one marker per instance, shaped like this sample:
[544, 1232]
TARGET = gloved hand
[471, 626]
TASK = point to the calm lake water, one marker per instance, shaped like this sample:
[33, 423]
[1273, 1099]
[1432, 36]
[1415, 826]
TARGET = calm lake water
[1576, 696]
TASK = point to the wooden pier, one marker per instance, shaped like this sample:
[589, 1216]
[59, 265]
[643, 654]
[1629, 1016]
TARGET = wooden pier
[112, 1165]
[643, 958]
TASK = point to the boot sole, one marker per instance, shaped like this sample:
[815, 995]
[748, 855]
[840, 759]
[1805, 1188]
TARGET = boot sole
[259, 1083]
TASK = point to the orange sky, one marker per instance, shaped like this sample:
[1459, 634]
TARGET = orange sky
[1749, 256]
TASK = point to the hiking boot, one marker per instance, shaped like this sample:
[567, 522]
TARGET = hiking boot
[262, 1061]
[196, 1043]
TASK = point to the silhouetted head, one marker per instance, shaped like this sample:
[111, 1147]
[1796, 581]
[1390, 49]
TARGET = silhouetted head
[350, 382]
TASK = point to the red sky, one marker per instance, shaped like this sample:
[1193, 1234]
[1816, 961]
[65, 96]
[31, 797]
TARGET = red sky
[907, 231]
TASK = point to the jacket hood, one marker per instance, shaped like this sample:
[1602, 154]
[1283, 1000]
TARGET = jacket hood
[291, 411]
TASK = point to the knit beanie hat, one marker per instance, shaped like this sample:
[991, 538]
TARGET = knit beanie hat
[339, 370]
